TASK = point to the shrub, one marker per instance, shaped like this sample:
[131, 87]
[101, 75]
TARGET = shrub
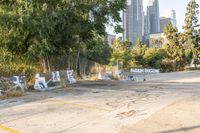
[12, 64]
[154, 57]
[168, 66]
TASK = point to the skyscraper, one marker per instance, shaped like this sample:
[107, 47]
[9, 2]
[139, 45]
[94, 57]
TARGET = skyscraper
[173, 17]
[164, 21]
[133, 21]
[145, 25]
[153, 17]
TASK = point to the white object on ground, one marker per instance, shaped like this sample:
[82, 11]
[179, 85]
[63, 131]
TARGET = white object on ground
[40, 83]
[56, 76]
[71, 77]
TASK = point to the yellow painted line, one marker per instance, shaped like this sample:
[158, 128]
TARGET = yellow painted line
[8, 129]
[83, 106]
[88, 106]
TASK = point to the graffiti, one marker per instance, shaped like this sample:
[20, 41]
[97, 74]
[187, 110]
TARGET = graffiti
[71, 77]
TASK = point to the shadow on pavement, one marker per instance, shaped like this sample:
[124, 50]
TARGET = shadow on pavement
[185, 129]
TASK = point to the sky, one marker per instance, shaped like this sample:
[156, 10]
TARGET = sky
[166, 6]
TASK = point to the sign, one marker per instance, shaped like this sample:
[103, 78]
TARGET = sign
[56, 76]
[71, 77]
[40, 83]
[19, 81]
[145, 70]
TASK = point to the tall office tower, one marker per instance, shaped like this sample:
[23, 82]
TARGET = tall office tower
[173, 17]
[124, 36]
[153, 17]
[133, 21]
[145, 25]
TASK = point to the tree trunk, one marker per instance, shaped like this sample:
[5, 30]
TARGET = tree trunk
[80, 68]
[48, 64]
[77, 63]
[85, 66]
[43, 65]
[68, 61]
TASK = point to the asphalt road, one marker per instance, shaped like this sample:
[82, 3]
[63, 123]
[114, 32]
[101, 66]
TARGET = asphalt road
[109, 107]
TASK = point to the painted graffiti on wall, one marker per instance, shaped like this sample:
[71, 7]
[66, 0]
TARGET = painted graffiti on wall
[56, 76]
[71, 77]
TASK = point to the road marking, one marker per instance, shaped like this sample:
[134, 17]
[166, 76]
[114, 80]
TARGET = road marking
[88, 106]
[84, 106]
[8, 129]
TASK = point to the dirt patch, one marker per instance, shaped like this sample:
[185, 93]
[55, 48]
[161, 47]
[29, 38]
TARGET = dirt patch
[92, 84]
[12, 94]
[126, 114]
[182, 116]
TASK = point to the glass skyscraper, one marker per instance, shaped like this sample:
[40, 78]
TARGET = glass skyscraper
[153, 17]
[133, 21]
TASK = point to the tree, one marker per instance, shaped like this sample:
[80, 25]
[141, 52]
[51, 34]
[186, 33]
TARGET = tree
[121, 53]
[41, 29]
[191, 27]
[12, 64]
[174, 49]
[98, 50]
[154, 57]
[138, 53]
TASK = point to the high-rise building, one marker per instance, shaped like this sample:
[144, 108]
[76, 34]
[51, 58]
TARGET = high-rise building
[145, 25]
[164, 22]
[173, 18]
[153, 17]
[133, 21]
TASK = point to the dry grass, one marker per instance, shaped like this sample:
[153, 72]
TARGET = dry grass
[93, 79]
[12, 94]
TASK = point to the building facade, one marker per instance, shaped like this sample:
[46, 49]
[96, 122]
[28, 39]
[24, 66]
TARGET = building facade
[133, 21]
[153, 17]
[145, 25]
[157, 40]
[164, 22]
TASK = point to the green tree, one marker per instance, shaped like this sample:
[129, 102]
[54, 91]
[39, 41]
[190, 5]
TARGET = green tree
[174, 48]
[121, 53]
[154, 57]
[191, 27]
[12, 64]
[41, 29]
[138, 53]
[98, 50]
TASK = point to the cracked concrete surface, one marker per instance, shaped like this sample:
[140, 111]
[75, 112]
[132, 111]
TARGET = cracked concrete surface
[110, 107]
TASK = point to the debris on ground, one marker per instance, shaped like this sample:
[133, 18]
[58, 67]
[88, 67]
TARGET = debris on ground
[8, 87]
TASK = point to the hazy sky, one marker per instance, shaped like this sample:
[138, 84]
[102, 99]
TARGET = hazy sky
[165, 6]
[178, 5]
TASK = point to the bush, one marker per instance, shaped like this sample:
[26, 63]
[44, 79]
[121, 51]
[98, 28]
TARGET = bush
[168, 66]
[11, 64]
[154, 57]
[196, 63]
